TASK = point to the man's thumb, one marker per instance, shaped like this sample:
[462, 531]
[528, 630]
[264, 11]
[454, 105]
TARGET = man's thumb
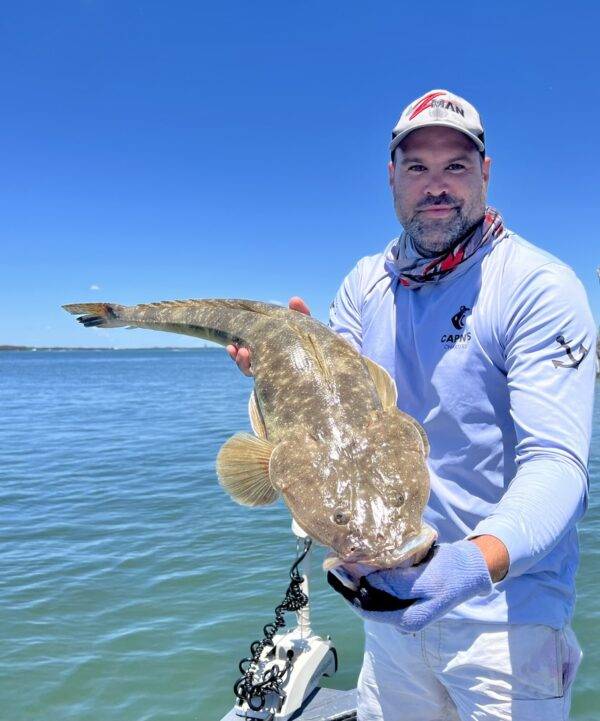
[296, 303]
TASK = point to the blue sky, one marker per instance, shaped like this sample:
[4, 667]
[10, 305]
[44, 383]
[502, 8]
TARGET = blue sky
[156, 150]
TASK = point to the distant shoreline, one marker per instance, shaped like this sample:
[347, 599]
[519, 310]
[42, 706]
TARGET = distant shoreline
[33, 348]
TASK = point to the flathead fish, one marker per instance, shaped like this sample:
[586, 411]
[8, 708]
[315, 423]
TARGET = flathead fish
[328, 436]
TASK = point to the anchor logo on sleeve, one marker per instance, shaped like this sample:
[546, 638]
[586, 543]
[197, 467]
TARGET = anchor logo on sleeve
[575, 362]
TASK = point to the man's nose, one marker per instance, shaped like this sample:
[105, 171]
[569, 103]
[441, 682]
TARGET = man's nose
[436, 184]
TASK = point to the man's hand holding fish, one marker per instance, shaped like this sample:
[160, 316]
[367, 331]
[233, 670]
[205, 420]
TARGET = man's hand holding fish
[454, 573]
[241, 355]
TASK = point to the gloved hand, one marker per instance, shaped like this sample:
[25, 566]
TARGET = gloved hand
[364, 598]
[451, 574]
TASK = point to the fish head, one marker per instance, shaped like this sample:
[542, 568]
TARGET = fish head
[364, 500]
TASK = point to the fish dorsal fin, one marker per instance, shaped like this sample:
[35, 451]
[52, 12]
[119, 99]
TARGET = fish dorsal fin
[256, 419]
[243, 470]
[384, 384]
[252, 306]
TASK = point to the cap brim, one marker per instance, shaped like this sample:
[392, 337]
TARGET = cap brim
[397, 139]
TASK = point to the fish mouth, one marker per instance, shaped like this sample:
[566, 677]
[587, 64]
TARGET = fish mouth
[411, 552]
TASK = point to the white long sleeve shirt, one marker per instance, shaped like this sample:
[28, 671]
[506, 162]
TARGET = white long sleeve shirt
[497, 362]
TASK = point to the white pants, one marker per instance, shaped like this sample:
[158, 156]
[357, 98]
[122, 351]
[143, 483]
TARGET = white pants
[466, 671]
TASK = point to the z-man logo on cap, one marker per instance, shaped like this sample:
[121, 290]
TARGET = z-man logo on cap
[429, 101]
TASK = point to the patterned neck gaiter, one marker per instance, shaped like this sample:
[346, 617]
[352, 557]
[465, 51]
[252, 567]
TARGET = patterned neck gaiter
[413, 270]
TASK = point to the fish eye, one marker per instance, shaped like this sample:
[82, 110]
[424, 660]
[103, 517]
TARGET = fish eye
[340, 517]
[401, 499]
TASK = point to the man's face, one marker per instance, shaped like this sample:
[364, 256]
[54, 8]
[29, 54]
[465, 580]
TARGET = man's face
[439, 184]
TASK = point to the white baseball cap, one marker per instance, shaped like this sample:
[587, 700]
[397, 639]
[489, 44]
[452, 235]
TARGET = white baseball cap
[439, 107]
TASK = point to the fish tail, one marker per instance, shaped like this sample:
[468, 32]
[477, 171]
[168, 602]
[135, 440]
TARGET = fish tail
[222, 321]
[103, 315]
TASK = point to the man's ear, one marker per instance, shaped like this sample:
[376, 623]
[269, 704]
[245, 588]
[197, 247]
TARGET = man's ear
[391, 172]
[485, 170]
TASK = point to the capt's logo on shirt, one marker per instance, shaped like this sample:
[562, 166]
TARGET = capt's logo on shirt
[458, 340]
[458, 319]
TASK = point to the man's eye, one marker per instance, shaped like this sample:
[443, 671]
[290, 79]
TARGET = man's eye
[416, 168]
[456, 166]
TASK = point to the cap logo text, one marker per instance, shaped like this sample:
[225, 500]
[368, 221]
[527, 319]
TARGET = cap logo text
[429, 101]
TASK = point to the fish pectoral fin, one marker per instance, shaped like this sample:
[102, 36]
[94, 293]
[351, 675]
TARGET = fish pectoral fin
[243, 470]
[256, 419]
[384, 383]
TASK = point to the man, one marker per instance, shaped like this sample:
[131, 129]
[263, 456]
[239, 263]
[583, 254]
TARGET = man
[488, 339]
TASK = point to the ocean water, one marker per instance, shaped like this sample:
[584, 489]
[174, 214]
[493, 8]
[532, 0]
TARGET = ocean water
[130, 585]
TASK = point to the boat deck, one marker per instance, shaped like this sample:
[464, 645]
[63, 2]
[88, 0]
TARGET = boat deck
[324, 704]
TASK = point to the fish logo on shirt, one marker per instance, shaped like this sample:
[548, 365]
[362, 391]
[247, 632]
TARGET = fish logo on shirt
[458, 319]
[575, 362]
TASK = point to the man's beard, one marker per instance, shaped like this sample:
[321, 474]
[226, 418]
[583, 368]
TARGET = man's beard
[434, 236]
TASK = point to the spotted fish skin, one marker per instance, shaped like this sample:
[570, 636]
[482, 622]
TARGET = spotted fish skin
[350, 466]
